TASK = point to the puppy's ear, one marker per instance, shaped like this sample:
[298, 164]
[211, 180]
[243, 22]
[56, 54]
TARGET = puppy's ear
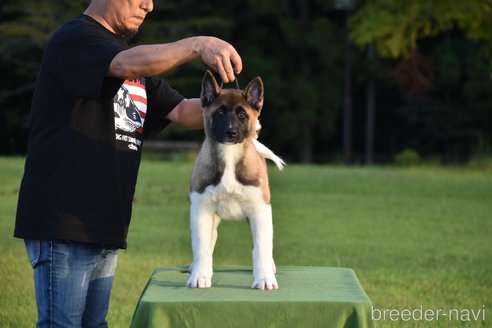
[210, 89]
[254, 93]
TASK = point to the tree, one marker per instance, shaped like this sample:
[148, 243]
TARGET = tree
[396, 28]
[296, 47]
[293, 46]
[25, 28]
[441, 51]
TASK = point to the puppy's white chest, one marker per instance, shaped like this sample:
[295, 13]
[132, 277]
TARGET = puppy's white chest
[230, 199]
[229, 184]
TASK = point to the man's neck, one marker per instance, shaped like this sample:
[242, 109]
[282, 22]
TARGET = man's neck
[94, 11]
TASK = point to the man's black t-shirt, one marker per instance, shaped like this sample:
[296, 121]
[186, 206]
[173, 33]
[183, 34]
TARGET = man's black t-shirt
[85, 139]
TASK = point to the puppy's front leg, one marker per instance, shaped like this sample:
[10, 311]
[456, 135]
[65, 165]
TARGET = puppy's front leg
[213, 241]
[202, 225]
[263, 264]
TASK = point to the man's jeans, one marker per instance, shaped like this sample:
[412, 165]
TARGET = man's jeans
[73, 282]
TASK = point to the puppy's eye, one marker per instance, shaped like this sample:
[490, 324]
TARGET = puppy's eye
[242, 116]
[220, 112]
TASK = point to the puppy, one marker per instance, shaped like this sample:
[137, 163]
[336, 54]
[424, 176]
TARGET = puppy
[230, 181]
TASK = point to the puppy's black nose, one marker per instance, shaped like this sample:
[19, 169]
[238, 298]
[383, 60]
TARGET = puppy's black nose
[231, 133]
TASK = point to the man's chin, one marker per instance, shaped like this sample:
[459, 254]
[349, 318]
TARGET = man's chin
[131, 33]
[128, 32]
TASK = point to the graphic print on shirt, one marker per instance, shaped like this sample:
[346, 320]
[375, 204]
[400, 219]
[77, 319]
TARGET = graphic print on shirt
[130, 108]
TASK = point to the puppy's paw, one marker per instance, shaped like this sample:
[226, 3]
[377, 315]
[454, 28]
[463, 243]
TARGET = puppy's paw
[199, 281]
[265, 283]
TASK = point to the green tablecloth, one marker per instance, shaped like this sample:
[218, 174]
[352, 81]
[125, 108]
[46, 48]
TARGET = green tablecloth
[307, 297]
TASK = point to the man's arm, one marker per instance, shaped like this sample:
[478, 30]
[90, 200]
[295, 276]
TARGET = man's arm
[188, 114]
[152, 60]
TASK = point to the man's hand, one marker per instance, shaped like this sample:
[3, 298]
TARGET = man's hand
[221, 56]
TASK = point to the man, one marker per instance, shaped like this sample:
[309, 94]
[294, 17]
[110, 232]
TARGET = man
[95, 102]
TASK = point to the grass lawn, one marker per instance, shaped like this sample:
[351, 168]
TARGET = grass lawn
[415, 237]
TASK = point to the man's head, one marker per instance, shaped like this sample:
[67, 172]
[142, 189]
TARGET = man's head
[122, 17]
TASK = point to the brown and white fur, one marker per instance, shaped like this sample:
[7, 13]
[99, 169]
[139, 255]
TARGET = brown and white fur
[230, 180]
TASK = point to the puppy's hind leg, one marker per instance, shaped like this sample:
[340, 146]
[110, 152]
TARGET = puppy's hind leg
[202, 225]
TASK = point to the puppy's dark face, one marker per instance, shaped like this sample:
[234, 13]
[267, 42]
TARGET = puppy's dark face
[230, 115]
[229, 124]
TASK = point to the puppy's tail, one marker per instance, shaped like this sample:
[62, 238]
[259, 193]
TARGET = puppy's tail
[267, 153]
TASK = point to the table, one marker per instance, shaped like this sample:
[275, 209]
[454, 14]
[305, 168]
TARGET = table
[307, 297]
